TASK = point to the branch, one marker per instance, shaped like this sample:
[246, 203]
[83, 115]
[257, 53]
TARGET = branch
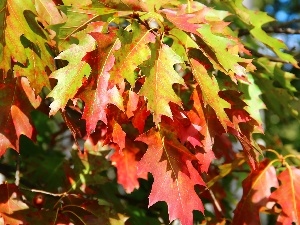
[45, 192]
[288, 23]
[276, 28]
[273, 59]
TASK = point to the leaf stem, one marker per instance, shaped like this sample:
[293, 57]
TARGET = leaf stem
[54, 222]
[291, 156]
[68, 211]
[189, 5]
[273, 151]
[216, 202]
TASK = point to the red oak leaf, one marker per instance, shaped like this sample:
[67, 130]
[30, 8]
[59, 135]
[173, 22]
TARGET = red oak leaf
[140, 116]
[288, 196]
[174, 175]
[256, 192]
[186, 130]
[17, 101]
[243, 125]
[193, 133]
[205, 159]
[223, 148]
[97, 95]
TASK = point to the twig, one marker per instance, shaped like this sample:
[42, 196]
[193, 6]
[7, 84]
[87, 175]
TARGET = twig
[280, 28]
[283, 30]
[277, 30]
[273, 59]
[137, 17]
[288, 23]
[45, 192]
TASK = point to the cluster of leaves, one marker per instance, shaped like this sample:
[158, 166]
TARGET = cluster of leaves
[166, 88]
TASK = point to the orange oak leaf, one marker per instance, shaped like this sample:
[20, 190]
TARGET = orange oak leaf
[174, 174]
[288, 196]
[256, 192]
[118, 135]
[126, 165]
[10, 204]
[132, 104]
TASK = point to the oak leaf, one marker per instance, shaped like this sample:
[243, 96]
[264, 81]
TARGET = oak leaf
[288, 196]
[126, 164]
[10, 204]
[134, 52]
[132, 104]
[255, 20]
[76, 20]
[71, 77]
[140, 116]
[256, 192]
[210, 91]
[17, 100]
[97, 95]
[18, 24]
[222, 50]
[174, 174]
[118, 135]
[160, 76]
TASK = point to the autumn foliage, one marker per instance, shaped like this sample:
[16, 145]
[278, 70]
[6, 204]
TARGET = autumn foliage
[114, 106]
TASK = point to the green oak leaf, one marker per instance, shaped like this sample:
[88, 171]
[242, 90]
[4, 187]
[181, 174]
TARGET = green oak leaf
[70, 77]
[77, 20]
[255, 20]
[134, 51]
[210, 90]
[160, 76]
[24, 41]
[274, 71]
